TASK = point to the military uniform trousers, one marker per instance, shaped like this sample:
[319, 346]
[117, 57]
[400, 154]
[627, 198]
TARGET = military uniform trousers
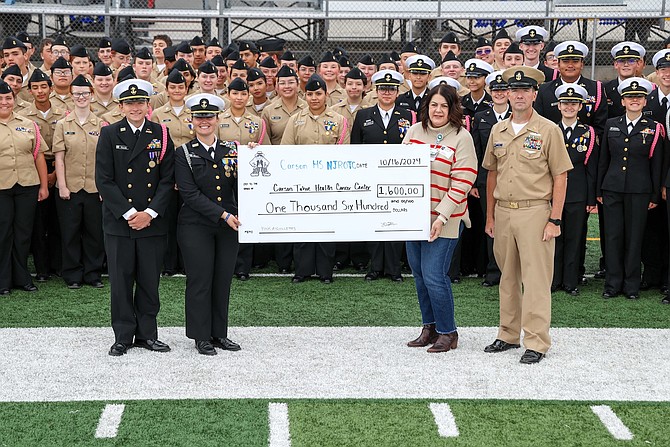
[386, 257]
[18, 205]
[355, 253]
[527, 266]
[567, 257]
[173, 262]
[209, 257]
[626, 216]
[83, 241]
[45, 244]
[134, 305]
[314, 257]
[655, 247]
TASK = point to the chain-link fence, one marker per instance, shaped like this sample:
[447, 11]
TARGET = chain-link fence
[360, 27]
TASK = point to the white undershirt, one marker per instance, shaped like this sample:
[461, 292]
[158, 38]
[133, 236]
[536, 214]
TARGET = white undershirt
[517, 127]
[177, 110]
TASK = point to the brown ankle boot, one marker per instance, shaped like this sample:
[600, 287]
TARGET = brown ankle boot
[445, 343]
[428, 336]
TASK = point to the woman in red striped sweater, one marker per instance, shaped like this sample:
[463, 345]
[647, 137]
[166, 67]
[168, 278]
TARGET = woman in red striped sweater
[453, 171]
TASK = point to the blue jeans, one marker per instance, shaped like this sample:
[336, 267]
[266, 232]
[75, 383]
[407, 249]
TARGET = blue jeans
[430, 263]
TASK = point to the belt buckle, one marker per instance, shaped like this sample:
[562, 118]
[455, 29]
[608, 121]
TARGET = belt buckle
[514, 205]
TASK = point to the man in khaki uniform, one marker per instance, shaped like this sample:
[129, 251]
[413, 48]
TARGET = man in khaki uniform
[526, 187]
[287, 104]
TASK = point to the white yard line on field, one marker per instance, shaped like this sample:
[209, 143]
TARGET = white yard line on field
[612, 423]
[278, 363]
[110, 419]
[446, 424]
[280, 435]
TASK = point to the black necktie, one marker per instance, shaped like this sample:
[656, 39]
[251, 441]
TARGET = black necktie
[664, 103]
[630, 127]
[212, 153]
[567, 132]
[137, 133]
[417, 102]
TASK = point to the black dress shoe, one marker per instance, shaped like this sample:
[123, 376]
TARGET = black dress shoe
[600, 274]
[42, 277]
[572, 292]
[360, 267]
[74, 285]
[338, 266]
[610, 294]
[225, 343]
[326, 279]
[487, 283]
[531, 356]
[500, 346]
[583, 281]
[242, 276]
[665, 300]
[29, 288]
[118, 349]
[397, 278]
[152, 345]
[5, 292]
[205, 347]
[664, 290]
[296, 279]
[372, 276]
[633, 296]
[96, 284]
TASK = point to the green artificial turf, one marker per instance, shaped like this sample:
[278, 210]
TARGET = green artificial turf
[336, 423]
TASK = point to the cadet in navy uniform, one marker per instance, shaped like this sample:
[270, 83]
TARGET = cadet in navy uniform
[384, 124]
[571, 56]
[207, 226]
[135, 176]
[531, 42]
[580, 143]
[419, 67]
[482, 124]
[628, 61]
[476, 71]
[629, 183]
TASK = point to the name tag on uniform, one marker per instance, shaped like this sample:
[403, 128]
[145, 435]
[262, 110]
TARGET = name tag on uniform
[300, 123]
[69, 133]
[647, 112]
[275, 118]
[497, 145]
[614, 129]
[194, 155]
[121, 147]
[167, 120]
[368, 123]
[224, 125]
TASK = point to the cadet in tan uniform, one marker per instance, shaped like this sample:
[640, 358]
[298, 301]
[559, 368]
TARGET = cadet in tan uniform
[103, 83]
[287, 104]
[23, 182]
[316, 125]
[258, 98]
[78, 204]
[329, 70]
[12, 76]
[14, 52]
[45, 245]
[526, 187]
[236, 124]
[354, 86]
[61, 75]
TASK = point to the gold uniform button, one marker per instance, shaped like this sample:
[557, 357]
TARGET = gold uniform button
[623, 169]
[625, 149]
[384, 132]
[148, 185]
[130, 170]
[625, 140]
[218, 188]
[218, 199]
[149, 199]
[130, 185]
[148, 171]
[217, 177]
[385, 142]
[215, 166]
[130, 200]
[624, 159]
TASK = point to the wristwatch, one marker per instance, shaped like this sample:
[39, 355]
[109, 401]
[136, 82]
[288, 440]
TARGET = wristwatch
[556, 222]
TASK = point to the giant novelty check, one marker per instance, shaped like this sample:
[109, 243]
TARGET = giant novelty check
[330, 193]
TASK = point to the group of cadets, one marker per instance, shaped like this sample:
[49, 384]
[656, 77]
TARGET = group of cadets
[614, 132]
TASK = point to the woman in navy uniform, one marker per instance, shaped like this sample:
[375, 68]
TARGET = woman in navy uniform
[580, 143]
[384, 124]
[134, 174]
[23, 182]
[206, 175]
[629, 184]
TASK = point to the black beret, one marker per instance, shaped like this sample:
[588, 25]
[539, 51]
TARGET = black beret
[126, 73]
[268, 62]
[271, 44]
[314, 83]
[451, 56]
[182, 65]
[255, 74]
[409, 47]
[307, 61]
[120, 46]
[394, 55]
[24, 37]
[144, 54]
[483, 42]
[78, 51]
[501, 34]
[101, 69]
[214, 42]
[175, 77]
[238, 84]
[208, 67]
[197, 42]
[344, 61]
[245, 45]
[81, 81]
[338, 52]
[450, 37]
[286, 72]
[385, 59]
[513, 49]
[60, 40]
[229, 49]
[233, 56]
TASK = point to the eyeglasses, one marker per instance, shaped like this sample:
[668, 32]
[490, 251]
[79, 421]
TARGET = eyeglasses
[386, 89]
[65, 72]
[62, 53]
[81, 95]
[481, 52]
[631, 61]
[550, 57]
